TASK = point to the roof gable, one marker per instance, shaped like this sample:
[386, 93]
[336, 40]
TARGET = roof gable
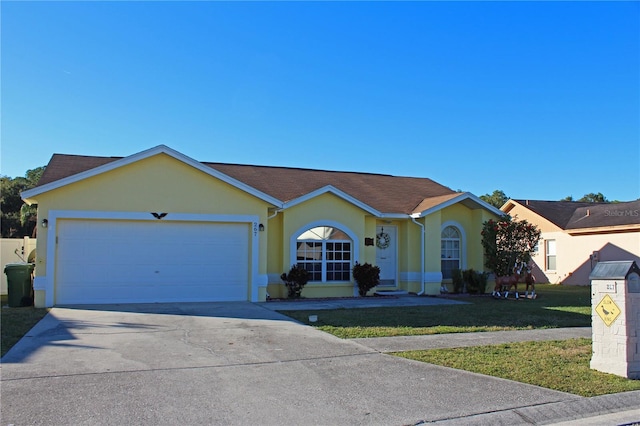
[66, 170]
[330, 189]
[430, 205]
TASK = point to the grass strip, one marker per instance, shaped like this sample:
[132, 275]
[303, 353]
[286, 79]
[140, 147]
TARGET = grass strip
[16, 322]
[561, 365]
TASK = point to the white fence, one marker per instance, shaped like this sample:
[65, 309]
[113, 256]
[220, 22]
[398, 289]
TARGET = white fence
[14, 250]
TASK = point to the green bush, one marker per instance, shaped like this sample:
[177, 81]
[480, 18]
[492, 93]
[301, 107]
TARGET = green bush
[295, 281]
[367, 277]
[476, 282]
[483, 277]
[456, 277]
[469, 278]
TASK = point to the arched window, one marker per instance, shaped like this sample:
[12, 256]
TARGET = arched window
[449, 250]
[325, 252]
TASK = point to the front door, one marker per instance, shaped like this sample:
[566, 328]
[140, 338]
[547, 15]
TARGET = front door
[387, 254]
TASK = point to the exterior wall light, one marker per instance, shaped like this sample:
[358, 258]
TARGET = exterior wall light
[45, 223]
[261, 228]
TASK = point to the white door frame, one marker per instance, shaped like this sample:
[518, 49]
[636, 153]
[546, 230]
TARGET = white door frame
[55, 215]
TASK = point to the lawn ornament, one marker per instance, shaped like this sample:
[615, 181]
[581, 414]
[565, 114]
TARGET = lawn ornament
[530, 280]
[504, 283]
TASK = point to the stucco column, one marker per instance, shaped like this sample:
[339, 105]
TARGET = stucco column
[432, 265]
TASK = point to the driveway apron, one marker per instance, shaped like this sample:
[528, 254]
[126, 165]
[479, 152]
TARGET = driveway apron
[228, 363]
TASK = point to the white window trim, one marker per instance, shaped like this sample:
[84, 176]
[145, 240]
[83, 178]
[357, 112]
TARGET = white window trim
[324, 262]
[294, 239]
[463, 241]
[546, 254]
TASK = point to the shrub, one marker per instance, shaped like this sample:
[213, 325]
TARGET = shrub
[469, 280]
[367, 277]
[456, 278]
[476, 282]
[295, 281]
[483, 277]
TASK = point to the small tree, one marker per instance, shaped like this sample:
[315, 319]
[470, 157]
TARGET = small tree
[506, 242]
[594, 198]
[367, 277]
[295, 281]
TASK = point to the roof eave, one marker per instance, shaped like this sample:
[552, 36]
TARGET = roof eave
[508, 206]
[462, 197]
[604, 229]
[395, 216]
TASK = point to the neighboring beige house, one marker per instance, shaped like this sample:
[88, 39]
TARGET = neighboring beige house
[577, 235]
[158, 226]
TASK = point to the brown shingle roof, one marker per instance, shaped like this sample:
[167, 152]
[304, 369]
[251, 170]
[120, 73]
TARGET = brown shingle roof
[385, 193]
[63, 165]
[578, 215]
[431, 202]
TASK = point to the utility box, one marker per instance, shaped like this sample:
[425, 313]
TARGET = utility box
[615, 318]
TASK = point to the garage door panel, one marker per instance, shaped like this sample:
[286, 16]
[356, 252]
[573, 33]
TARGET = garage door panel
[137, 262]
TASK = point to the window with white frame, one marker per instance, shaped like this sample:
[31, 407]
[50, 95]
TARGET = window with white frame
[325, 252]
[449, 251]
[550, 248]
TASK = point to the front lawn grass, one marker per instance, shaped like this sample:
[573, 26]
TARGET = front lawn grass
[556, 306]
[16, 322]
[561, 365]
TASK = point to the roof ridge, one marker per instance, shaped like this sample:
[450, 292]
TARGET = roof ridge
[87, 156]
[213, 163]
[524, 200]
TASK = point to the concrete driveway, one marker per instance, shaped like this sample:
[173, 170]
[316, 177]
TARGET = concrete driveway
[227, 363]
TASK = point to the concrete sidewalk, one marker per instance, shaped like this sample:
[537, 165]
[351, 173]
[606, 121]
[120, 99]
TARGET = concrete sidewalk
[459, 340]
[606, 410]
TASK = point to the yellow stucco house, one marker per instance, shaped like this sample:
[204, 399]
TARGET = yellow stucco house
[158, 226]
[575, 236]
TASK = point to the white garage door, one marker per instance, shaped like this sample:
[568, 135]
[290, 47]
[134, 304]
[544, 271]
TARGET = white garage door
[104, 261]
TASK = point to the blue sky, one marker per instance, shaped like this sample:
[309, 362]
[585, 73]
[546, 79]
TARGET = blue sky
[538, 99]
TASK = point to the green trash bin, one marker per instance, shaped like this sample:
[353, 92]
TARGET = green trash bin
[19, 283]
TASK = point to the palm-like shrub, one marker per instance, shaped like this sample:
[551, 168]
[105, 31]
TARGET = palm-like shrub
[367, 276]
[295, 281]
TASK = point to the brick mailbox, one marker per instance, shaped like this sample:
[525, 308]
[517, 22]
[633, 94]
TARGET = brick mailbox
[615, 318]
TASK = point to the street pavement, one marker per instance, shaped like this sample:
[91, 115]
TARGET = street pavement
[243, 363]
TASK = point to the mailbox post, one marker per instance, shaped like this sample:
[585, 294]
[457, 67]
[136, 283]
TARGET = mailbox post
[615, 319]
